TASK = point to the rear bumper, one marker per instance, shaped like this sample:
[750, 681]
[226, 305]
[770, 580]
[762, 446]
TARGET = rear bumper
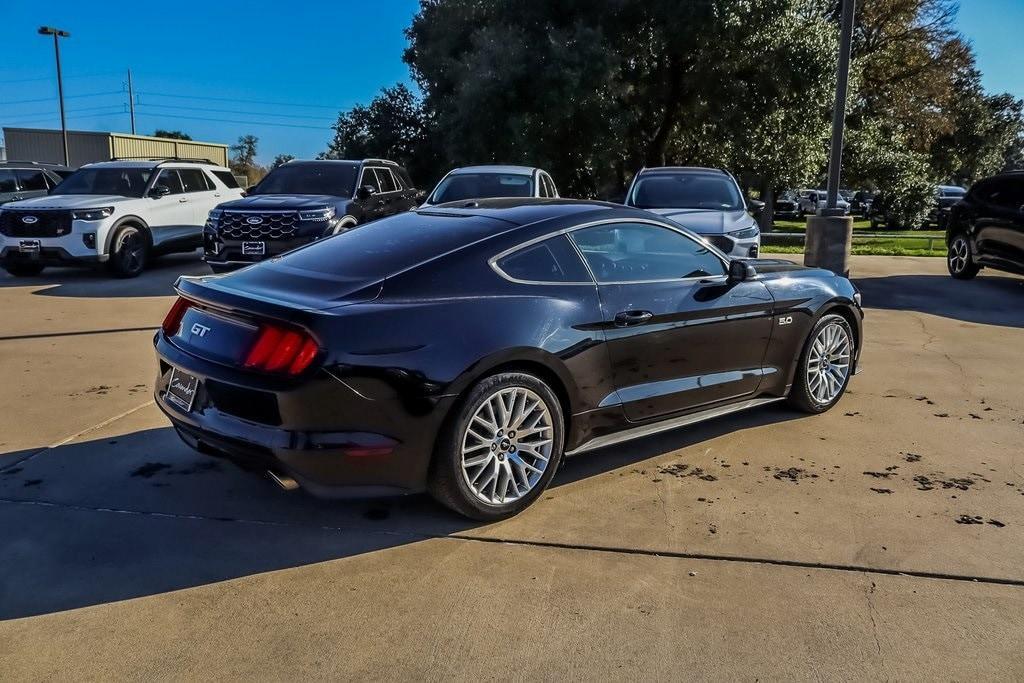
[334, 441]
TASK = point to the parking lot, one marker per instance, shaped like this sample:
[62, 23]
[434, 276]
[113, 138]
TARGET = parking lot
[882, 539]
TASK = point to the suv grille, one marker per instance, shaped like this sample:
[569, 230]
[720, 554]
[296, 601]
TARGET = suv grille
[269, 226]
[46, 223]
[723, 243]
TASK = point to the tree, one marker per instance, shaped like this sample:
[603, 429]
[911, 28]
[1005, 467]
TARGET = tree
[171, 134]
[592, 90]
[244, 160]
[393, 126]
[281, 159]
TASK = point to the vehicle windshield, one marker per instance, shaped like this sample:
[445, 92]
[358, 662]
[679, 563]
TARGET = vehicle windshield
[953, 192]
[125, 182]
[461, 186]
[686, 191]
[846, 194]
[338, 180]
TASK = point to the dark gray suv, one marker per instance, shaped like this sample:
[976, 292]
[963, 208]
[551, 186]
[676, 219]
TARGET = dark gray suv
[26, 179]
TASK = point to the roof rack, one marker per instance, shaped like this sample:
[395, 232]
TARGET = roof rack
[25, 161]
[164, 160]
[379, 161]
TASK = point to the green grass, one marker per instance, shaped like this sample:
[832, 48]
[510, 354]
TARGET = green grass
[858, 226]
[873, 247]
[877, 246]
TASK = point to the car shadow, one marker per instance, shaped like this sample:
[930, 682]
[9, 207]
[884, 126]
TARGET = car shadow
[141, 514]
[987, 299]
[157, 280]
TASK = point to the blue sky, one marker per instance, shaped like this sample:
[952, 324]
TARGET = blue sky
[279, 70]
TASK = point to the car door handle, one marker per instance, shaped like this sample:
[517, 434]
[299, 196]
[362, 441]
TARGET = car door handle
[629, 318]
[183, 200]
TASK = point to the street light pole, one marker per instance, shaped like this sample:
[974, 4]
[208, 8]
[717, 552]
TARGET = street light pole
[57, 34]
[835, 161]
[829, 235]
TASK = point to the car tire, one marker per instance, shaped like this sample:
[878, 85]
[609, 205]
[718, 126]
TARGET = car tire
[483, 468]
[24, 269]
[825, 365]
[959, 258]
[129, 252]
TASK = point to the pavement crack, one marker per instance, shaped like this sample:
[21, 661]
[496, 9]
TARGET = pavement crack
[871, 613]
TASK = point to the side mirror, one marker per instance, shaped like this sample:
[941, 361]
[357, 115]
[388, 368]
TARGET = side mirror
[366, 191]
[740, 270]
[755, 206]
[158, 191]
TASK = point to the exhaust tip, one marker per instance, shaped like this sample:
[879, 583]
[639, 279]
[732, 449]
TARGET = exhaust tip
[283, 480]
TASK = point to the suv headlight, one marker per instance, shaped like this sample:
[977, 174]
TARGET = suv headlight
[214, 216]
[92, 214]
[745, 234]
[324, 214]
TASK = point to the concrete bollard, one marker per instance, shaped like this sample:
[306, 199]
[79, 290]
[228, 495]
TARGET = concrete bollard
[828, 241]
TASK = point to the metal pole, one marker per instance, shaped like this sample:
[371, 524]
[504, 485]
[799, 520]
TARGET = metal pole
[839, 111]
[60, 92]
[131, 100]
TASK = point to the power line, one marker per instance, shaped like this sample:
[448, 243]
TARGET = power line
[52, 78]
[249, 123]
[233, 111]
[46, 114]
[70, 116]
[67, 97]
[235, 99]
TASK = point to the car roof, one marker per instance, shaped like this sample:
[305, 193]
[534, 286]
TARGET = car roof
[951, 187]
[15, 163]
[152, 163]
[495, 168]
[319, 162]
[681, 169]
[526, 210]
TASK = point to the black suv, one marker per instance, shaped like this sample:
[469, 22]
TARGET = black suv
[27, 179]
[302, 201]
[986, 228]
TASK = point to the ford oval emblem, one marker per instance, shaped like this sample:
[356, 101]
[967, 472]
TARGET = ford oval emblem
[29, 220]
[253, 220]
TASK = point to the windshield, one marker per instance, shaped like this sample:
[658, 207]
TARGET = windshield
[126, 182]
[953, 192]
[338, 180]
[686, 191]
[846, 194]
[481, 186]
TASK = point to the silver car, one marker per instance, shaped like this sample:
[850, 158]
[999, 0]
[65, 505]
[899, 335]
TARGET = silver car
[484, 182]
[708, 201]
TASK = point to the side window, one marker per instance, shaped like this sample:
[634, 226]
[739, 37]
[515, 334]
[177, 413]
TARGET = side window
[387, 183]
[32, 180]
[8, 183]
[192, 180]
[226, 178]
[552, 190]
[545, 185]
[169, 177]
[553, 260]
[1004, 193]
[629, 252]
[369, 178]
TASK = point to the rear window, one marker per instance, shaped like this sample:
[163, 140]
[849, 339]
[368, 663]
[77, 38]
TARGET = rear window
[553, 260]
[226, 178]
[388, 245]
[32, 180]
[482, 186]
[7, 181]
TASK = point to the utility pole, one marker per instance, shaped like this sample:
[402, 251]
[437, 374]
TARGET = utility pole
[829, 235]
[131, 100]
[57, 33]
[835, 161]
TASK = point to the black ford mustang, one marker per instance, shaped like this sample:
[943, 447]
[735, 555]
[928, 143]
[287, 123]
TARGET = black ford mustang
[465, 349]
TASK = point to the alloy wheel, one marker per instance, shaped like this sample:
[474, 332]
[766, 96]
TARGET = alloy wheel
[507, 445]
[132, 249]
[828, 363]
[959, 253]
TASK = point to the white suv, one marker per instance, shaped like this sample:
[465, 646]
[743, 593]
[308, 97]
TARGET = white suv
[114, 212]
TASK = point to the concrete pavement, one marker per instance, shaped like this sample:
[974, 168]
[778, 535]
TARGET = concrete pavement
[825, 547]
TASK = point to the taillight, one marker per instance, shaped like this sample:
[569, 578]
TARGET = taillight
[173, 319]
[281, 349]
